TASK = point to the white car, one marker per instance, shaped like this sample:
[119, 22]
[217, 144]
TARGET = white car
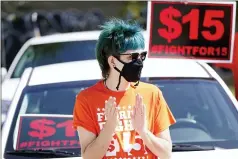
[51, 49]
[205, 109]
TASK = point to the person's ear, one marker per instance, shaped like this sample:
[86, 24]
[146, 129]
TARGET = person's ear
[111, 61]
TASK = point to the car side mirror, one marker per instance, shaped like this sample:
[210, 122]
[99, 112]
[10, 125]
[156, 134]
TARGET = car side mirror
[3, 72]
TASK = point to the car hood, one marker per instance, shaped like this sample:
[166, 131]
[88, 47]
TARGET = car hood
[223, 153]
[9, 87]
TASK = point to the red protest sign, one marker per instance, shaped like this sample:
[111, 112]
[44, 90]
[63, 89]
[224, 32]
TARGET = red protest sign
[44, 131]
[194, 30]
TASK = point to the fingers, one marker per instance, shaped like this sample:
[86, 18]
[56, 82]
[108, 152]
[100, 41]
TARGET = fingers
[136, 105]
[109, 103]
[140, 101]
[114, 108]
[117, 116]
[106, 105]
[137, 100]
[142, 105]
[110, 106]
[133, 112]
[139, 105]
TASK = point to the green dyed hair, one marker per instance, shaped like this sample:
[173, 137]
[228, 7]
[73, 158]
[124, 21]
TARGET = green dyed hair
[117, 36]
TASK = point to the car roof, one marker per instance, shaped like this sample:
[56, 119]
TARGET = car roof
[66, 37]
[90, 70]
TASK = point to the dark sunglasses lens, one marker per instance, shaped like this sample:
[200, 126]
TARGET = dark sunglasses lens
[143, 55]
[134, 56]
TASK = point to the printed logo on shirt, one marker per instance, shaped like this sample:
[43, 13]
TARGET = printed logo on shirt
[124, 130]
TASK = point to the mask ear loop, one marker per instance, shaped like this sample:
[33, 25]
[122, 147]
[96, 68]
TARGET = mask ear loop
[137, 83]
[119, 82]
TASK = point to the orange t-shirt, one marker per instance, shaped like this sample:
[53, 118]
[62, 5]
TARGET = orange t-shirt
[89, 114]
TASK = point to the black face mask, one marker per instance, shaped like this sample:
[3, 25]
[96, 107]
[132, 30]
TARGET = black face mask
[131, 71]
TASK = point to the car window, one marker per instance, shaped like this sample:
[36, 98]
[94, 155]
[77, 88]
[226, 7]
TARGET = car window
[44, 54]
[55, 101]
[202, 110]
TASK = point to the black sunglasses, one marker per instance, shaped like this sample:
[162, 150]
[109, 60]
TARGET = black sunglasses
[136, 55]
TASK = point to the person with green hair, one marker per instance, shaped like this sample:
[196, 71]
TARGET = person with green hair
[120, 116]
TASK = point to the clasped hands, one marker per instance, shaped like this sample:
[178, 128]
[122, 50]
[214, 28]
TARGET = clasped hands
[138, 115]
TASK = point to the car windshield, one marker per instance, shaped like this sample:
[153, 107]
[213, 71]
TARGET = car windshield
[51, 53]
[204, 113]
